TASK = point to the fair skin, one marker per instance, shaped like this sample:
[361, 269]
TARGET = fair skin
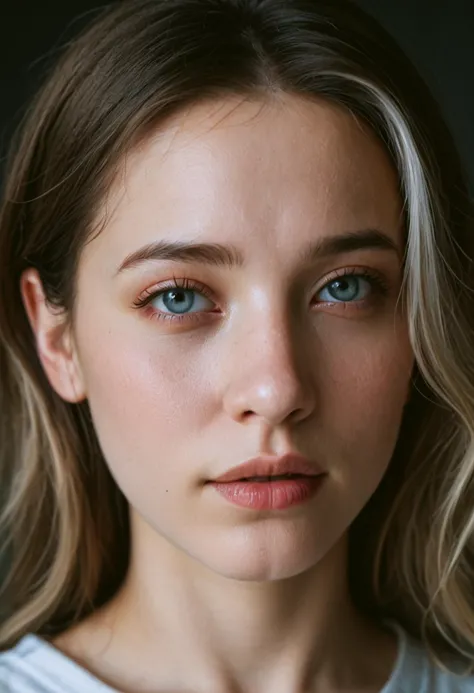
[219, 598]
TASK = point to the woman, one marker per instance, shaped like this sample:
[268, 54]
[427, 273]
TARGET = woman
[237, 378]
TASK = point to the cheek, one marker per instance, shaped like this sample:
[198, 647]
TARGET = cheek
[367, 381]
[371, 381]
[146, 398]
[367, 368]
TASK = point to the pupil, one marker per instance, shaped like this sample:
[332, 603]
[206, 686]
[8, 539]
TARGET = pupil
[178, 301]
[174, 294]
[346, 287]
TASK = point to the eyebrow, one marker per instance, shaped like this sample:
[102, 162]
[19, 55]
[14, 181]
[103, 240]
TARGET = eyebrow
[230, 256]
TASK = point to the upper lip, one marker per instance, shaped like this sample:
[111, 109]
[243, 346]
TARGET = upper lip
[291, 463]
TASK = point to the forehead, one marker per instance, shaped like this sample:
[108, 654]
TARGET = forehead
[256, 169]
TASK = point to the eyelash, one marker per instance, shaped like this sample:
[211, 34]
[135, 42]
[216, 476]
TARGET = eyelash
[377, 282]
[149, 295]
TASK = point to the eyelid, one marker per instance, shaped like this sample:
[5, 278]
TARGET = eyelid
[356, 270]
[376, 278]
[380, 287]
[175, 283]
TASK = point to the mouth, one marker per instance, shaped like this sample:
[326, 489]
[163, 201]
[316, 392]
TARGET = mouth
[266, 469]
[269, 492]
[279, 477]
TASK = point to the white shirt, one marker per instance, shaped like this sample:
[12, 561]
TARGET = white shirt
[35, 666]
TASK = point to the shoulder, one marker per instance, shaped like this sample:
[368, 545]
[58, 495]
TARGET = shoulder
[19, 672]
[35, 666]
[444, 682]
[10, 670]
[417, 673]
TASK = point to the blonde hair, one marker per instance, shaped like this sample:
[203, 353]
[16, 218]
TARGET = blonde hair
[64, 522]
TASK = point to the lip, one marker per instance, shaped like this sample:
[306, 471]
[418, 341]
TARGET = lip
[291, 463]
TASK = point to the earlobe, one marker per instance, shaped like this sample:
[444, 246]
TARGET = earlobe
[54, 340]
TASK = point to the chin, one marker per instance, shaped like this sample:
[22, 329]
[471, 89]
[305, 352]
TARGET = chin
[258, 559]
[260, 573]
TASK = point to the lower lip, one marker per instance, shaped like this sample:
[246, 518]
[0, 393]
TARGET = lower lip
[269, 495]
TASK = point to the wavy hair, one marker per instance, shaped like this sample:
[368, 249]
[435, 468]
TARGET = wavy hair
[64, 523]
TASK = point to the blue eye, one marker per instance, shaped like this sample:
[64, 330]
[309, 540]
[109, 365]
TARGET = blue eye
[186, 300]
[178, 301]
[346, 289]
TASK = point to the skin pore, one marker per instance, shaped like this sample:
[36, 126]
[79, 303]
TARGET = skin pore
[284, 351]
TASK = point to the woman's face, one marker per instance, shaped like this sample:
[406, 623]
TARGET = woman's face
[266, 350]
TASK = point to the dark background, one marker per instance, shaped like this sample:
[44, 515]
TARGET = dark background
[438, 35]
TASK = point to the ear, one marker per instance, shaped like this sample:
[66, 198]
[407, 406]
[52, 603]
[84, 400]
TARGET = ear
[54, 340]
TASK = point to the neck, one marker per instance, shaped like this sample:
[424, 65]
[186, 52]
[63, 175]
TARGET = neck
[175, 625]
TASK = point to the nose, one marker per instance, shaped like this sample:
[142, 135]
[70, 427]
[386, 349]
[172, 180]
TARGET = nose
[270, 375]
